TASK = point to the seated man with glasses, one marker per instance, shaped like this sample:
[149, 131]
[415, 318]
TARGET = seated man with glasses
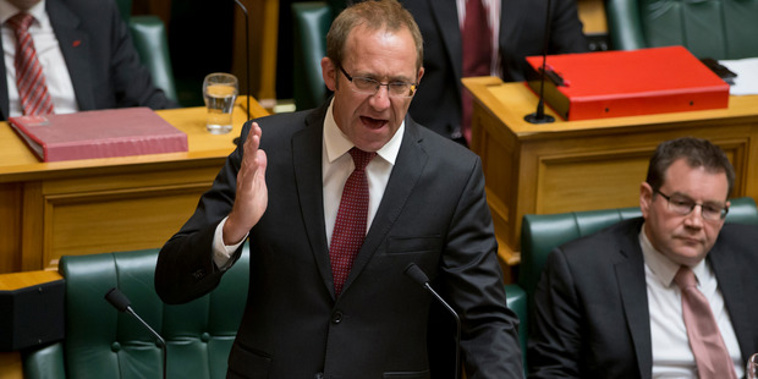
[664, 295]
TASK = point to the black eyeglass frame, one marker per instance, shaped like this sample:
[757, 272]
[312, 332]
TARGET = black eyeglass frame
[722, 214]
[412, 86]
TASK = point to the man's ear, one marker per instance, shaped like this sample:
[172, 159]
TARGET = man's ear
[646, 198]
[329, 73]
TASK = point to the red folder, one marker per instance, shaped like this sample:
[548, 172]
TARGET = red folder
[628, 83]
[99, 134]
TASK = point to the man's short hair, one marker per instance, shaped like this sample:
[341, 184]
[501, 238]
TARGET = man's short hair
[698, 153]
[375, 15]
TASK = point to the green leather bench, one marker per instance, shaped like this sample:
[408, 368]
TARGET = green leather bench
[719, 29]
[540, 234]
[101, 342]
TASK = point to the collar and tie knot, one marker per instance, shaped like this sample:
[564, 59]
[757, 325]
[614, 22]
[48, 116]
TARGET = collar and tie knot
[21, 21]
[361, 158]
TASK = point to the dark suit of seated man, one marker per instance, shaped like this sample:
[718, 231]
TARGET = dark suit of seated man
[610, 305]
[321, 305]
[87, 57]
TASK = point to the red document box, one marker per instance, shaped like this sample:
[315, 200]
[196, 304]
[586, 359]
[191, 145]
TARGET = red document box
[629, 83]
[99, 134]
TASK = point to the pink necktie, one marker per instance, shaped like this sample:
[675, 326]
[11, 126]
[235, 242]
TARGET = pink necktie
[32, 89]
[350, 227]
[477, 54]
[711, 356]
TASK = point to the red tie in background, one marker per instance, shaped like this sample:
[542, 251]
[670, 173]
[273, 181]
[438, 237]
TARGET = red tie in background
[350, 227]
[477, 54]
[32, 89]
[711, 356]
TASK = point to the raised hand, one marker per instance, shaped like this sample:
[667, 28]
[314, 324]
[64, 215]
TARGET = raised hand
[251, 199]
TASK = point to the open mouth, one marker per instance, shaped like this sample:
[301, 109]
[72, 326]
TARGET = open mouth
[373, 123]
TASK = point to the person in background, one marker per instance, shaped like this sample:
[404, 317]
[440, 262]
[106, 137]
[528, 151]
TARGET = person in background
[661, 296]
[337, 204]
[68, 56]
[466, 38]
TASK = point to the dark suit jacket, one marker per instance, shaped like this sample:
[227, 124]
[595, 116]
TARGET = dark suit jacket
[103, 64]
[437, 104]
[433, 213]
[591, 315]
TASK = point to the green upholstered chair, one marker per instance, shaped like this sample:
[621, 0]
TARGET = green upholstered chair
[101, 342]
[311, 22]
[540, 234]
[719, 29]
[149, 37]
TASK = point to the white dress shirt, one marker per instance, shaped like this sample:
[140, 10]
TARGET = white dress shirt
[49, 54]
[336, 167]
[672, 355]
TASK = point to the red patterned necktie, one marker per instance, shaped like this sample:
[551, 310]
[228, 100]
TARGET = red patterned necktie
[32, 89]
[711, 355]
[477, 54]
[350, 227]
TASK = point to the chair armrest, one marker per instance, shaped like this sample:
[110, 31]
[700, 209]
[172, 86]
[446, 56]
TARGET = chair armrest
[624, 25]
[44, 363]
[516, 297]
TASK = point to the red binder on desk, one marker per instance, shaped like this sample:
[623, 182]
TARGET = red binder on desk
[628, 83]
[99, 134]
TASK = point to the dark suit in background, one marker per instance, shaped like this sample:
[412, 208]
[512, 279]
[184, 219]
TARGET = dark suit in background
[103, 64]
[433, 213]
[591, 307]
[522, 24]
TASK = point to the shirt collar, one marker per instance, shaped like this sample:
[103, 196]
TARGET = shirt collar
[662, 267]
[337, 143]
[8, 10]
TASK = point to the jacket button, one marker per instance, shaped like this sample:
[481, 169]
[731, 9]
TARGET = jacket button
[337, 317]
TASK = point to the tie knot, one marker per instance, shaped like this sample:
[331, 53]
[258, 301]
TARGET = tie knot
[685, 278]
[21, 21]
[361, 158]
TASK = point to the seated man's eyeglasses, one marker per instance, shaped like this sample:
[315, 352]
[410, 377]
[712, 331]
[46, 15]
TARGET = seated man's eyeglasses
[370, 86]
[684, 206]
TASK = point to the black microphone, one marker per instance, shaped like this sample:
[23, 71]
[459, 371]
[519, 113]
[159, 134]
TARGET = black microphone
[119, 301]
[539, 117]
[419, 276]
[247, 54]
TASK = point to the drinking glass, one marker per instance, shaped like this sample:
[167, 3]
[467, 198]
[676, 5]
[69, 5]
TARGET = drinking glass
[220, 91]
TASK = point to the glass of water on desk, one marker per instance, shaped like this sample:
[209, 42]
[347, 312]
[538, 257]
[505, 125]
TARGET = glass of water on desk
[752, 367]
[220, 91]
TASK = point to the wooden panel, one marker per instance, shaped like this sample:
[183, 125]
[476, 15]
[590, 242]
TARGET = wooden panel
[592, 15]
[86, 223]
[10, 214]
[10, 366]
[264, 30]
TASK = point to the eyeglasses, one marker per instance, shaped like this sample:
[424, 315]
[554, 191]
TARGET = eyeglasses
[370, 86]
[684, 206]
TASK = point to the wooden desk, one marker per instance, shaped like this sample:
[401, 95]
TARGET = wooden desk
[48, 210]
[584, 165]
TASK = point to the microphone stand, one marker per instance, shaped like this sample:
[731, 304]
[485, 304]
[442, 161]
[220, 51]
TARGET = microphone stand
[247, 53]
[539, 117]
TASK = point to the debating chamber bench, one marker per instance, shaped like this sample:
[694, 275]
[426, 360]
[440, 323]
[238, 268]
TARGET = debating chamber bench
[77, 207]
[570, 166]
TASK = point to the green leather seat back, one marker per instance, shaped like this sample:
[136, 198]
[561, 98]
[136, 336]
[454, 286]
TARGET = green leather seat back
[311, 22]
[149, 38]
[719, 29]
[101, 342]
[517, 302]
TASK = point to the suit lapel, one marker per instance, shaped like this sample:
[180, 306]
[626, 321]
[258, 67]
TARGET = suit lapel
[306, 159]
[731, 285]
[75, 48]
[409, 166]
[445, 13]
[630, 274]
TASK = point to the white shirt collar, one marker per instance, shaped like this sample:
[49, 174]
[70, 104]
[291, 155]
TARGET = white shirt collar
[662, 267]
[337, 144]
[8, 10]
